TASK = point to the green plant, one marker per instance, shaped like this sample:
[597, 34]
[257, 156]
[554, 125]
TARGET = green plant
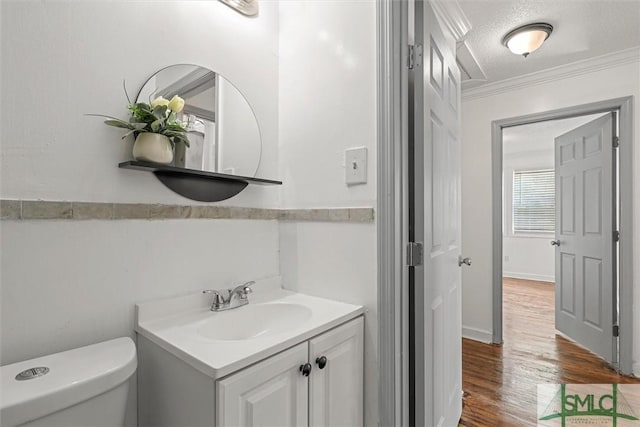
[159, 116]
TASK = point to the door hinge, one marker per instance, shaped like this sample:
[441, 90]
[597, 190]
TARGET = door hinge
[616, 142]
[616, 236]
[414, 56]
[616, 330]
[414, 254]
[411, 57]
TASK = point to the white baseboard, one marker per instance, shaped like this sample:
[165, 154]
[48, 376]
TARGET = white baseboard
[528, 276]
[477, 334]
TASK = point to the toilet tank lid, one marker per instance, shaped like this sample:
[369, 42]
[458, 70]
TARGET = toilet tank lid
[74, 376]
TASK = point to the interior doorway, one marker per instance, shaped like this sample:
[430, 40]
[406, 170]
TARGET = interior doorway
[529, 223]
[522, 228]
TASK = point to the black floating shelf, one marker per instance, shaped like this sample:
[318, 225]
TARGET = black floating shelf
[198, 185]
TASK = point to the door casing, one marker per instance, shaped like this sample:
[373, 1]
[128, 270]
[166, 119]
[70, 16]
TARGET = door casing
[624, 106]
[392, 211]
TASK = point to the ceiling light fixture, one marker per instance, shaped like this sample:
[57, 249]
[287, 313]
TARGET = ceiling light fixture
[524, 40]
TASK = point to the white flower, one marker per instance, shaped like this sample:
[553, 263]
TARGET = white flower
[159, 101]
[176, 104]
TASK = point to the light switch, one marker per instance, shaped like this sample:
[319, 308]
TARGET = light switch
[355, 161]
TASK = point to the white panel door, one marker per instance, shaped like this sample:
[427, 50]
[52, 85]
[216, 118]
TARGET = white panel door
[271, 393]
[336, 397]
[585, 250]
[436, 293]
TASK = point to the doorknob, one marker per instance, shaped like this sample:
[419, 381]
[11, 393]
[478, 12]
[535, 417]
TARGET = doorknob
[555, 243]
[461, 261]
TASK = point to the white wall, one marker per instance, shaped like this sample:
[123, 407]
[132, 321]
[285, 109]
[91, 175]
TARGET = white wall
[66, 284]
[525, 256]
[478, 113]
[66, 58]
[327, 100]
[328, 104]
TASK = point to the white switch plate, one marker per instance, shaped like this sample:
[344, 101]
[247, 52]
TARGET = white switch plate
[355, 162]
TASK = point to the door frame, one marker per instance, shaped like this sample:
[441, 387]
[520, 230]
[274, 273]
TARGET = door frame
[624, 106]
[392, 211]
[394, 32]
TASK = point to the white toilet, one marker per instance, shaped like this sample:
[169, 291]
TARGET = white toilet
[84, 387]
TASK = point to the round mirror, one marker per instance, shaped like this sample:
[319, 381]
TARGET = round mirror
[223, 132]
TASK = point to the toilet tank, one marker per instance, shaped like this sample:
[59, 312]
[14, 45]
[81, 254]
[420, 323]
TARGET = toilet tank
[83, 387]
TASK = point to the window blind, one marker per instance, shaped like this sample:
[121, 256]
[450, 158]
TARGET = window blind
[534, 201]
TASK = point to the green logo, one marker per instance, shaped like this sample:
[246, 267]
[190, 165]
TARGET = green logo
[585, 405]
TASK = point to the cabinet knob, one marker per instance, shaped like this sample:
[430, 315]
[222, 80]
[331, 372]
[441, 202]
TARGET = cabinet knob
[321, 362]
[305, 369]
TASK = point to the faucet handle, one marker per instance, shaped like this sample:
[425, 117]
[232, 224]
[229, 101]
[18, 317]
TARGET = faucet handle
[247, 287]
[218, 299]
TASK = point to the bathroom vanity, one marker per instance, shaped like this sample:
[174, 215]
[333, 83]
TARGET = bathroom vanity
[284, 359]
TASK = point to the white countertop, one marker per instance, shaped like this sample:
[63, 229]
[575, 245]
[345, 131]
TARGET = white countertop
[170, 323]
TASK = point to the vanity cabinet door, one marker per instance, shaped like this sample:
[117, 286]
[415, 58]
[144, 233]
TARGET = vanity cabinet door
[272, 392]
[337, 384]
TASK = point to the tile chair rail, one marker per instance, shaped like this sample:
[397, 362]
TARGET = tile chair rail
[65, 210]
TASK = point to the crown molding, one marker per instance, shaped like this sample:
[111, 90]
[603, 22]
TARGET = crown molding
[573, 69]
[451, 14]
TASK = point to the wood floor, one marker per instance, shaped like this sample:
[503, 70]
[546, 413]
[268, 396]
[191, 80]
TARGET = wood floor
[500, 381]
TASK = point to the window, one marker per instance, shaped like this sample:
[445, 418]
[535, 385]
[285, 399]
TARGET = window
[534, 201]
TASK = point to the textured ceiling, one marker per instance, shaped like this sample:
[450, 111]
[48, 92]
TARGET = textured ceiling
[582, 29]
[539, 136]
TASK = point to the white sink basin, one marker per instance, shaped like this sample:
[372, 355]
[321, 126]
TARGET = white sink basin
[219, 343]
[252, 321]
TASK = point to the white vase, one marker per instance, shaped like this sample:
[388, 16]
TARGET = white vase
[153, 147]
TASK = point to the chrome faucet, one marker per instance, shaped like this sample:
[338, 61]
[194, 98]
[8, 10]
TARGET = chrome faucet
[227, 299]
